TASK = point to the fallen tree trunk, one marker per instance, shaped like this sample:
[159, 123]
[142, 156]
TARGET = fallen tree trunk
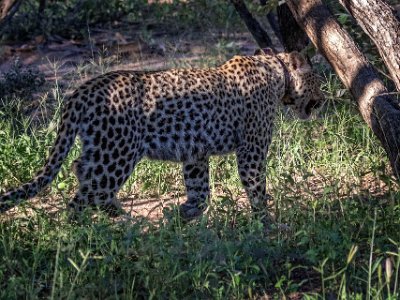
[379, 21]
[379, 109]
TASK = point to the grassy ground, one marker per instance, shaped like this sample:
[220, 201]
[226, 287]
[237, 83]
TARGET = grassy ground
[330, 183]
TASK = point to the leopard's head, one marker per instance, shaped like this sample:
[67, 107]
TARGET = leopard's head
[303, 93]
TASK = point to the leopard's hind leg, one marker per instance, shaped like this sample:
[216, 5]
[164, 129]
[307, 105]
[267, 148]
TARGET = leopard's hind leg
[105, 165]
[99, 182]
[196, 175]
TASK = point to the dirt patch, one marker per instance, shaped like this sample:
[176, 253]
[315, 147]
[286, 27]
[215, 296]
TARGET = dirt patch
[150, 208]
[134, 205]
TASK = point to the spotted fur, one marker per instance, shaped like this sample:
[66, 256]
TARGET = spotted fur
[178, 115]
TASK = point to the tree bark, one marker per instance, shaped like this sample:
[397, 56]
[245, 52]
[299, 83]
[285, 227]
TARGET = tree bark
[397, 10]
[379, 110]
[5, 6]
[7, 10]
[259, 34]
[380, 22]
[40, 15]
[42, 6]
[273, 21]
[293, 37]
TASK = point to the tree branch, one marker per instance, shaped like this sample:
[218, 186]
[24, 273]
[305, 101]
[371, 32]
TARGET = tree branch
[259, 34]
[8, 9]
[379, 21]
[293, 36]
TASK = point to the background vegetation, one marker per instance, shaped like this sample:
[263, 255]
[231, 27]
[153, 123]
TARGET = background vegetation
[329, 179]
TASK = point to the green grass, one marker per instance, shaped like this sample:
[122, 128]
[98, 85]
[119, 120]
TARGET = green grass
[331, 186]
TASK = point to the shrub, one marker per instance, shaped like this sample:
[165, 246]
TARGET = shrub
[20, 81]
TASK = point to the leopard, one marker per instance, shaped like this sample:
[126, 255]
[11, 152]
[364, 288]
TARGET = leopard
[179, 115]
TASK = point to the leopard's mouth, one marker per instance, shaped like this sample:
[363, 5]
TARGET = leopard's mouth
[311, 105]
[305, 112]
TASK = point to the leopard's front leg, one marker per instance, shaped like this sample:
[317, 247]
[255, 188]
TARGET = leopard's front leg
[251, 160]
[196, 177]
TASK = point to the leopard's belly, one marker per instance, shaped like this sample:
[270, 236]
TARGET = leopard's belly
[183, 146]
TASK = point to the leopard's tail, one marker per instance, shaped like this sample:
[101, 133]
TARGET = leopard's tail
[67, 132]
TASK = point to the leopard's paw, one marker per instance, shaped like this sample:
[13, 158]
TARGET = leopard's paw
[190, 211]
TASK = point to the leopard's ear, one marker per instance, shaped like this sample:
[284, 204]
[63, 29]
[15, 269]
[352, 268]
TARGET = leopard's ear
[269, 51]
[298, 62]
[264, 51]
[258, 51]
